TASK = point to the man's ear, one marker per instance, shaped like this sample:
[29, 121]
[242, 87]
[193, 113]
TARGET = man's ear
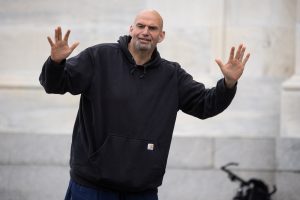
[130, 30]
[161, 36]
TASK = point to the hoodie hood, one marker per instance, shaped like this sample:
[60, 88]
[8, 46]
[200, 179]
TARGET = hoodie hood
[152, 63]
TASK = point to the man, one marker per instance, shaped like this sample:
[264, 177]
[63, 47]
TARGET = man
[129, 100]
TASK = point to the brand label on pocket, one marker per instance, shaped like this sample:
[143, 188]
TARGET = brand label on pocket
[150, 146]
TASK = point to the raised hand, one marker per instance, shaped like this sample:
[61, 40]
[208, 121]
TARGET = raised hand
[234, 67]
[60, 49]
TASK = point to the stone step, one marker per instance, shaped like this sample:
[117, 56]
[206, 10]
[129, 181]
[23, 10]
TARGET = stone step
[35, 166]
[34, 111]
[186, 152]
[34, 182]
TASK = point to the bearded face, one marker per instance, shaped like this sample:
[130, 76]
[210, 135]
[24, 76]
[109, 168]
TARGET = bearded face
[146, 31]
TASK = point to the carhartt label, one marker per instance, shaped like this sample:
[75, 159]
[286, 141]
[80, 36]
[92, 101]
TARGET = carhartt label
[150, 147]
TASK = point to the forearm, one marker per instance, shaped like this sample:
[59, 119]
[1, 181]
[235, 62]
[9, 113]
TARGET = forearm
[224, 94]
[72, 75]
[230, 84]
[52, 77]
[204, 103]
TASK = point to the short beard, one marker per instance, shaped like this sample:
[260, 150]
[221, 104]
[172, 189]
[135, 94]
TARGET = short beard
[141, 47]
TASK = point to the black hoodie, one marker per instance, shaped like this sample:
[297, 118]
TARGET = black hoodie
[123, 130]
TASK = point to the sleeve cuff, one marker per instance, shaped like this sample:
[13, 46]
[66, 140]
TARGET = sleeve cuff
[235, 85]
[51, 62]
[222, 86]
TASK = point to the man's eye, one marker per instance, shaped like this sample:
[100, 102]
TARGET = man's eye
[140, 26]
[153, 28]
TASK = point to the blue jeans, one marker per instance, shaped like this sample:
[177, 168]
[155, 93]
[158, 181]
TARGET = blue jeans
[79, 192]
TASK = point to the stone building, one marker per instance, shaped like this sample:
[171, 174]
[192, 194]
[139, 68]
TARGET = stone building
[260, 130]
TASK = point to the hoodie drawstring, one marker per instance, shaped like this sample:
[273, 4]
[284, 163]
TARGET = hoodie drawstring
[144, 73]
[133, 69]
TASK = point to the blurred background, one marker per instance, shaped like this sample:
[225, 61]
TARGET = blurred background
[260, 130]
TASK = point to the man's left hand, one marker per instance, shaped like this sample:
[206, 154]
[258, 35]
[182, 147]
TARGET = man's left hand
[234, 68]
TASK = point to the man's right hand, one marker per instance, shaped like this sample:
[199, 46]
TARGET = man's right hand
[60, 49]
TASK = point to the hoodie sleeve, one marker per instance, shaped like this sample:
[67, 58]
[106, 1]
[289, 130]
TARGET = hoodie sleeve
[73, 75]
[198, 101]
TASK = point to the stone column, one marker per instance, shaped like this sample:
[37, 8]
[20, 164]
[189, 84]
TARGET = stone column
[290, 99]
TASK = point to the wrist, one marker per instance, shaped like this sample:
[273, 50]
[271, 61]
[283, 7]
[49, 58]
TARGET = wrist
[229, 83]
[56, 61]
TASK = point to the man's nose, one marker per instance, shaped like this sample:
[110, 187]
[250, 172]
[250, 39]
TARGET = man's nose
[146, 30]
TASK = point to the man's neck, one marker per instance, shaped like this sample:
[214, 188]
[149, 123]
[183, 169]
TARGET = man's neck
[140, 57]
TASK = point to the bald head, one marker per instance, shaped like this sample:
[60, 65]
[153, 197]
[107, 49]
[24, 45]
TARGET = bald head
[146, 32]
[150, 14]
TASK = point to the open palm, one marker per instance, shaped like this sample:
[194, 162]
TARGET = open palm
[235, 65]
[60, 49]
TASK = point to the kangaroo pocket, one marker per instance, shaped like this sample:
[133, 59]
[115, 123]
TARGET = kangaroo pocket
[131, 164]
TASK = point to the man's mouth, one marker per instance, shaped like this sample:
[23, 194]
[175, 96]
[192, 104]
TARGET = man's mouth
[144, 40]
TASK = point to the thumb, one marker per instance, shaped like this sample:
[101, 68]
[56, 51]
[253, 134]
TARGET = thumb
[219, 62]
[74, 46]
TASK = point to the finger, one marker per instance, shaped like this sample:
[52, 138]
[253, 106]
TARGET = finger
[50, 41]
[242, 53]
[231, 55]
[59, 34]
[220, 63]
[66, 37]
[56, 35]
[74, 46]
[246, 59]
[238, 53]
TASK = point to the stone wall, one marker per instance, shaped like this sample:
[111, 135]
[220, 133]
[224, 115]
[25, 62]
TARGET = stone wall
[260, 130]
